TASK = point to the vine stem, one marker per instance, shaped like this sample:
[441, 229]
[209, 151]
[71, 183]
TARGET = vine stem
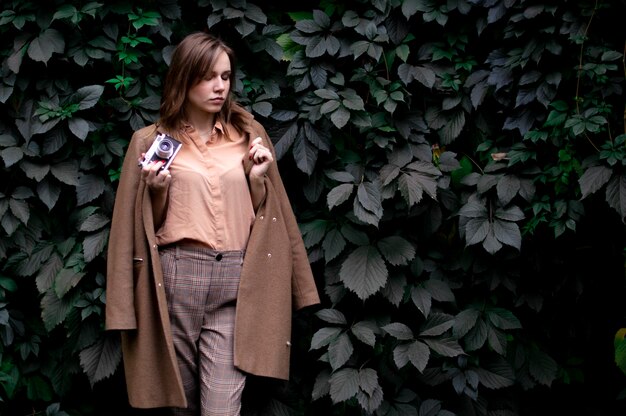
[624, 67]
[580, 69]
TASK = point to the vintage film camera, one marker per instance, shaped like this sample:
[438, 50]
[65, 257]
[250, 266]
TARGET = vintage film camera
[164, 148]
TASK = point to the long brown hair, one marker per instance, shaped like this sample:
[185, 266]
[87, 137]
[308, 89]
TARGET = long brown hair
[192, 59]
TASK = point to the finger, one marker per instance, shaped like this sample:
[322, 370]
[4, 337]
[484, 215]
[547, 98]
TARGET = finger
[156, 167]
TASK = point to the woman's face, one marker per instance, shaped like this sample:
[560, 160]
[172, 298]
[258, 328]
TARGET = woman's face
[210, 93]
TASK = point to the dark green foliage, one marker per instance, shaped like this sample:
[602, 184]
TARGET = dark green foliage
[457, 168]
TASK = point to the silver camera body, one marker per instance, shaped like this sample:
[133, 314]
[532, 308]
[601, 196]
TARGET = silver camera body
[164, 148]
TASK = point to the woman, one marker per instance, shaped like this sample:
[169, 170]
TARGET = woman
[205, 260]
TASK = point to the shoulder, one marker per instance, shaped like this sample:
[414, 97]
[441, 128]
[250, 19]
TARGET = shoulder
[144, 133]
[247, 120]
[143, 137]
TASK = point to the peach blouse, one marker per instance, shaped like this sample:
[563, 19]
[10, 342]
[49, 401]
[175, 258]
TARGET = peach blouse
[209, 196]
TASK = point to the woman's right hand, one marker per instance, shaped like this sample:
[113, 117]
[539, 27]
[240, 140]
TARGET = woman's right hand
[156, 179]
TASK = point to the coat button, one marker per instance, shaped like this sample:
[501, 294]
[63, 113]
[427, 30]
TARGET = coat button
[218, 257]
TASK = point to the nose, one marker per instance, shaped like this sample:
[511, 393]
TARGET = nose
[219, 84]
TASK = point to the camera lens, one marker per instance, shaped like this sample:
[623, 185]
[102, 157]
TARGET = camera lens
[165, 149]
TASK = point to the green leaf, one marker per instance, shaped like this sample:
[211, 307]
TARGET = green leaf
[87, 97]
[491, 242]
[477, 336]
[388, 173]
[37, 388]
[66, 172]
[364, 271]
[333, 244]
[101, 359]
[453, 127]
[542, 367]
[93, 222]
[369, 195]
[263, 108]
[422, 299]
[10, 378]
[351, 100]
[439, 290]
[497, 340]
[53, 309]
[305, 155]
[508, 186]
[464, 322]
[11, 155]
[48, 272]
[55, 410]
[79, 127]
[339, 194]
[473, 209]
[476, 230]
[507, 233]
[396, 250]
[399, 331]
[354, 236]
[496, 374]
[313, 232]
[95, 244]
[324, 336]
[616, 194]
[394, 289]
[447, 347]
[43, 46]
[322, 385]
[512, 213]
[436, 324]
[340, 117]
[34, 171]
[339, 351]
[66, 280]
[89, 188]
[619, 343]
[416, 352]
[332, 316]
[410, 7]
[410, 188]
[364, 331]
[254, 13]
[20, 209]
[593, 179]
[344, 384]
[8, 284]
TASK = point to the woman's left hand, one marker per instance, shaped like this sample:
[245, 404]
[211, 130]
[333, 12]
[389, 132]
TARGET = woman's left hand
[261, 156]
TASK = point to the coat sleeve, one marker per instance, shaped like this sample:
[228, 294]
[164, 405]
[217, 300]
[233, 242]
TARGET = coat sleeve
[120, 309]
[304, 290]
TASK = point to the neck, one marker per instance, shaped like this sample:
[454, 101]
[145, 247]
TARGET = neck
[202, 123]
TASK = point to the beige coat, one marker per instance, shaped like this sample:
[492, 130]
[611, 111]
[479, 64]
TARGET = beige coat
[276, 279]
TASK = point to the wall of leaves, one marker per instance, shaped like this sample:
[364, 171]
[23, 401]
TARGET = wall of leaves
[457, 169]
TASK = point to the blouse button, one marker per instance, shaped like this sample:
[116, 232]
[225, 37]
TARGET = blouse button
[261, 217]
[269, 255]
[274, 219]
[288, 344]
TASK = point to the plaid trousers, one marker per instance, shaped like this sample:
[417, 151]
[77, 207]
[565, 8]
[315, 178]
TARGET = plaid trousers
[201, 289]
